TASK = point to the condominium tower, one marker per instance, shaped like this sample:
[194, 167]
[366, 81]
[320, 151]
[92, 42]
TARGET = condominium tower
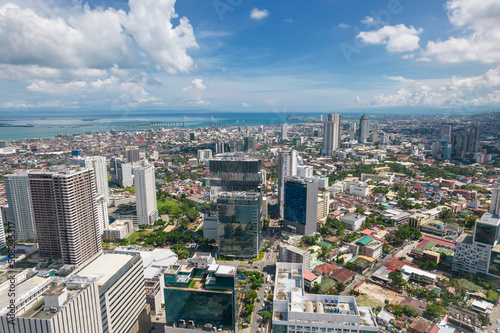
[331, 134]
[145, 194]
[66, 217]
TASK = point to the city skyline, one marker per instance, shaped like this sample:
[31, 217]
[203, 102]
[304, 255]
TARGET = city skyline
[249, 56]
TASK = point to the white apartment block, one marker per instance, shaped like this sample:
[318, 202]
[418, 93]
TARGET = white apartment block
[331, 134]
[323, 205]
[120, 277]
[297, 312]
[305, 171]
[98, 164]
[145, 194]
[204, 155]
[3, 241]
[480, 252]
[17, 188]
[119, 229]
[56, 305]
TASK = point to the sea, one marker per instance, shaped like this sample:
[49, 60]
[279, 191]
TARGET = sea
[37, 126]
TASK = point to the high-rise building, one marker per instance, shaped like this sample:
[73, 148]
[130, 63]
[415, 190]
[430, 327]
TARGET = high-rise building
[122, 298]
[145, 194]
[301, 205]
[289, 253]
[331, 134]
[446, 130]
[204, 154]
[465, 142]
[363, 129]
[239, 222]
[98, 164]
[287, 166]
[316, 313]
[121, 172]
[219, 147]
[305, 171]
[3, 240]
[201, 294]
[56, 305]
[284, 131]
[132, 154]
[495, 201]
[234, 173]
[17, 188]
[66, 217]
[249, 144]
[479, 253]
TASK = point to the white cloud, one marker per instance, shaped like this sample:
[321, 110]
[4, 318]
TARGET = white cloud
[197, 84]
[479, 39]
[245, 105]
[456, 91]
[75, 50]
[343, 26]
[407, 56]
[288, 20]
[398, 38]
[368, 20]
[258, 14]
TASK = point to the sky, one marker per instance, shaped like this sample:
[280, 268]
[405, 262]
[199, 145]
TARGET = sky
[249, 56]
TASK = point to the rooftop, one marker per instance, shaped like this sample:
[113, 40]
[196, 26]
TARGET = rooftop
[489, 219]
[105, 266]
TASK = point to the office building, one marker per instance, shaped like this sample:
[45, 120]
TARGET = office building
[204, 155]
[239, 224]
[296, 311]
[202, 296]
[446, 130]
[495, 201]
[122, 298]
[234, 172]
[331, 134]
[249, 144]
[56, 305]
[65, 210]
[296, 255]
[145, 194]
[121, 172]
[17, 188]
[98, 164]
[480, 253]
[284, 131]
[301, 205]
[132, 154]
[352, 221]
[364, 128]
[287, 166]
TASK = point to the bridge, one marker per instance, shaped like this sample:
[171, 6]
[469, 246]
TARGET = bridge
[211, 122]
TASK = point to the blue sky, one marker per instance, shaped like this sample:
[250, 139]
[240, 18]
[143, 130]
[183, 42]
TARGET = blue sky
[242, 55]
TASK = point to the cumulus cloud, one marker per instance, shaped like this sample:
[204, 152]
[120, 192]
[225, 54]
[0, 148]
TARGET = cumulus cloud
[452, 92]
[197, 84]
[398, 38]
[257, 14]
[480, 36]
[74, 49]
[343, 26]
[367, 20]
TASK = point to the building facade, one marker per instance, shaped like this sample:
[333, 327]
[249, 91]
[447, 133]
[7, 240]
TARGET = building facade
[331, 134]
[17, 188]
[239, 224]
[145, 194]
[364, 129]
[301, 205]
[66, 217]
[296, 255]
[121, 172]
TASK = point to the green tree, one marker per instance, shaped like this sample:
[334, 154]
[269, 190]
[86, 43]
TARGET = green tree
[396, 278]
[435, 311]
